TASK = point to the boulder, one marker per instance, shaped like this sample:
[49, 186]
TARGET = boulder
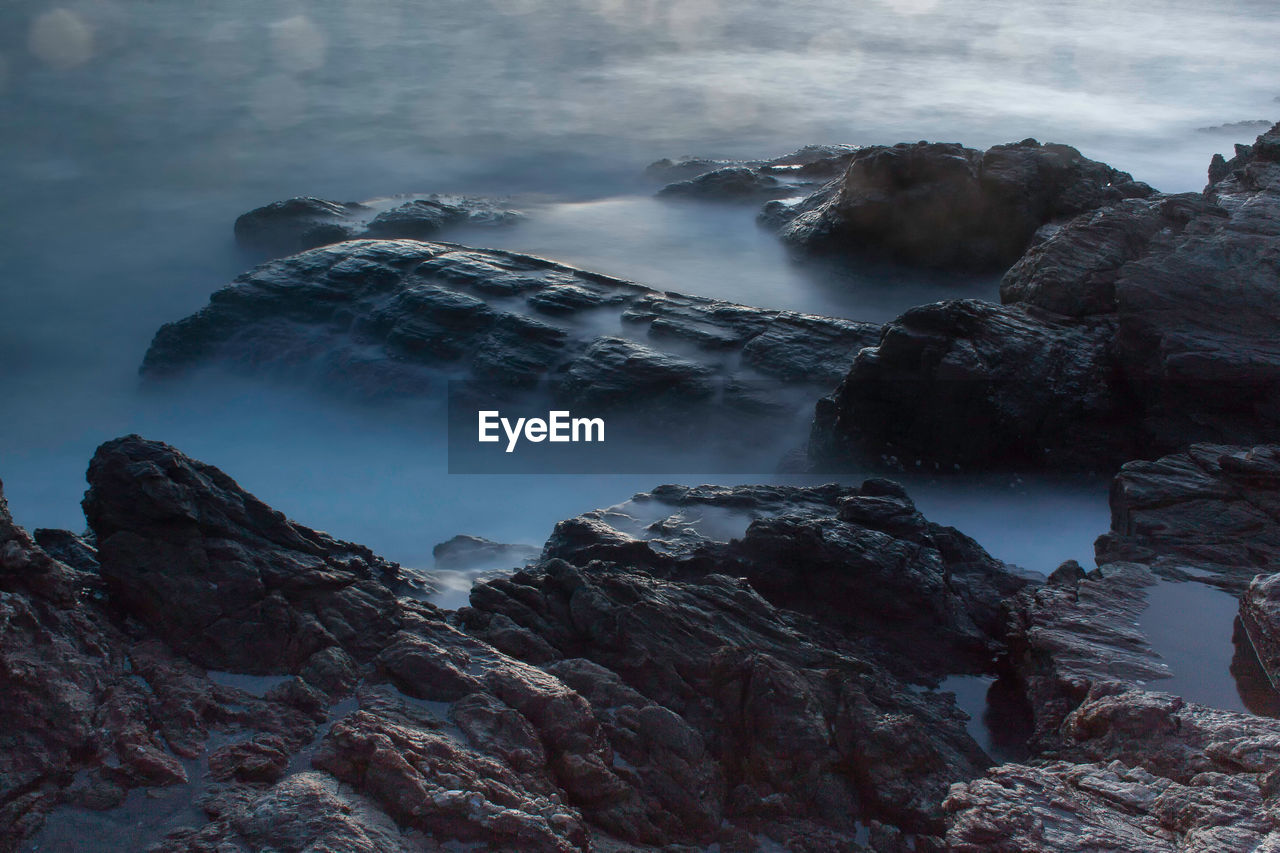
[1145, 326]
[943, 205]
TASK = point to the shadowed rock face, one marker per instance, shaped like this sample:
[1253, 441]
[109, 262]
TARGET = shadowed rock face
[924, 597]
[572, 706]
[222, 577]
[1131, 331]
[944, 205]
[297, 224]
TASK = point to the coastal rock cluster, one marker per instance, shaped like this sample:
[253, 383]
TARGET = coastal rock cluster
[579, 701]
[1128, 332]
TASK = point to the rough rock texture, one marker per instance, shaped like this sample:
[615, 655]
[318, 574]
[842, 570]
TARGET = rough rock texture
[297, 224]
[1147, 326]
[863, 560]
[1145, 772]
[571, 707]
[397, 319]
[944, 205]
[169, 528]
[1211, 512]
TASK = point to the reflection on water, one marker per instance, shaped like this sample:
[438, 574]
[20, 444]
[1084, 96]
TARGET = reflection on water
[1195, 629]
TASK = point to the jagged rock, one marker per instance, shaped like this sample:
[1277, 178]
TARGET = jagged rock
[1144, 772]
[944, 205]
[978, 385]
[784, 712]
[297, 224]
[1148, 325]
[398, 318]
[660, 712]
[1213, 508]
[863, 560]
[257, 592]
[68, 548]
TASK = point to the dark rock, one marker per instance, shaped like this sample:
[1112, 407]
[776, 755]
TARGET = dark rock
[944, 205]
[1144, 772]
[1147, 326]
[258, 592]
[66, 547]
[732, 183]
[297, 224]
[1216, 508]
[468, 552]
[808, 163]
[973, 384]
[396, 319]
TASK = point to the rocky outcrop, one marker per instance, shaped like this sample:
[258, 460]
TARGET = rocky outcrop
[396, 319]
[1145, 772]
[1144, 326]
[169, 529]
[1213, 510]
[862, 560]
[947, 206]
[575, 705]
[297, 224]
[464, 552]
[731, 183]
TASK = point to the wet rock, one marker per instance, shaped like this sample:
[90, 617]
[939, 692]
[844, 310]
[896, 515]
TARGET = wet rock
[944, 205]
[804, 729]
[78, 552]
[812, 162]
[1148, 326]
[259, 593]
[732, 183]
[297, 224]
[1212, 510]
[396, 319]
[1142, 771]
[1032, 390]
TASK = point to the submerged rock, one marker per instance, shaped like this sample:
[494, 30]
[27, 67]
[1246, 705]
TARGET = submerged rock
[298, 224]
[464, 552]
[944, 205]
[1131, 331]
[751, 180]
[732, 183]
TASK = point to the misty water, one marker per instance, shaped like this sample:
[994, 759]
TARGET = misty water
[132, 134]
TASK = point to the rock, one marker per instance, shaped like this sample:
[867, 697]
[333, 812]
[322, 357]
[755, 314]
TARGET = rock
[1214, 509]
[944, 205]
[1143, 772]
[259, 593]
[297, 224]
[731, 183]
[676, 712]
[396, 319]
[470, 552]
[66, 547]
[808, 163]
[1031, 390]
[923, 597]
[1147, 325]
